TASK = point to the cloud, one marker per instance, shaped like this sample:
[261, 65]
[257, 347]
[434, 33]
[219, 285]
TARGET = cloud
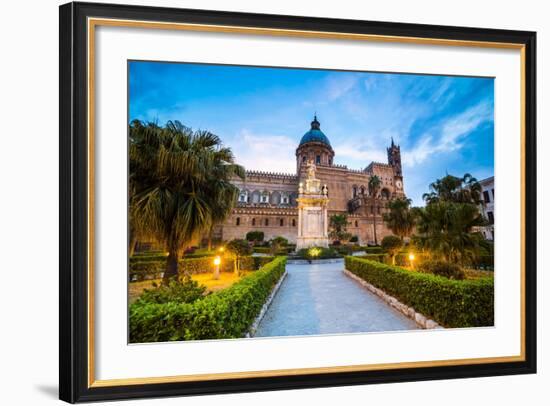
[452, 134]
[338, 85]
[264, 152]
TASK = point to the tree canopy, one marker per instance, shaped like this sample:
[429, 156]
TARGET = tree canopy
[179, 184]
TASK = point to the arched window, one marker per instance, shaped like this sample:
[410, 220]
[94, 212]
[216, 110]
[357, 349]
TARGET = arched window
[330, 161]
[356, 223]
[266, 222]
[253, 222]
[385, 193]
[304, 159]
[355, 191]
[318, 159]
[264, 198]
[281, 222]
[293, 223]
[238, 221]
[362, 190]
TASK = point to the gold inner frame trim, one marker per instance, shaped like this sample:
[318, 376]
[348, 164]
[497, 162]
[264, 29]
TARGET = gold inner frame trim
[94, 22]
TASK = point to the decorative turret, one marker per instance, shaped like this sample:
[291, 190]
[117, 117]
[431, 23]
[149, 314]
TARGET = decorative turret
[314, 146]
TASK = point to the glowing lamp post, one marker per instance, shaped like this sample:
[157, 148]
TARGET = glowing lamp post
[217, 262]
[411, 259]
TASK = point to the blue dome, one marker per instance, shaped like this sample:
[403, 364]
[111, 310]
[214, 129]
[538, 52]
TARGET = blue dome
[315, 134]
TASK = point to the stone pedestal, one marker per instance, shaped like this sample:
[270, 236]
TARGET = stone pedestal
[312, 213]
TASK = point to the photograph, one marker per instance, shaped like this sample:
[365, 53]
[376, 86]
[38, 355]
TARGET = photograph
[290, 201]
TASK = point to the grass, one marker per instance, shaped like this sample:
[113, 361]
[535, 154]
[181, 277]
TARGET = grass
[206, 279]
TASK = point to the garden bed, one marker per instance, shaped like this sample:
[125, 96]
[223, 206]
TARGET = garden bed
[451, 303]
[228, 313]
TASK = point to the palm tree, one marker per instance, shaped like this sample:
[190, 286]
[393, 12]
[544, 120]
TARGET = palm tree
[445, 229]
[374, 187]
[453, 189]
[179, 183]
[400, 219]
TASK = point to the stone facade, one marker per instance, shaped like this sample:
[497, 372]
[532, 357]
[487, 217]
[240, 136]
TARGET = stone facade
[268, 201]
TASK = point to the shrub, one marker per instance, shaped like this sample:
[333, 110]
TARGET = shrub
[188, 265]
[374, 250]
[442, 268]
[317, 253]
[452, 303]
[354, 238]
[225, 314]
[392, 244]
[185, 291]
[255, 236]
[382, 258]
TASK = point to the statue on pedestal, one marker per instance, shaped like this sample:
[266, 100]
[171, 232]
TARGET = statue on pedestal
[312, 211]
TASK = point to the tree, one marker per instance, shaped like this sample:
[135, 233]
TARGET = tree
[453, 189]
[179, 184]
[446, 231]
[255, 236]
[277, 243]
[238, 248]
[374, 187]
[392, 244]
[400, 219]
[339, 224]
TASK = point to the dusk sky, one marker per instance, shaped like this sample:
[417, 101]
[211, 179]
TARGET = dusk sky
[444, 124]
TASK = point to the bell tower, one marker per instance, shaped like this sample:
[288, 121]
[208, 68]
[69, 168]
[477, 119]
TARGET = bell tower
[394, 158]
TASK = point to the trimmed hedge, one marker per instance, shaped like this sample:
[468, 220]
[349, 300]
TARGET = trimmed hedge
[452, 303]
[225, 314]
[143, 270]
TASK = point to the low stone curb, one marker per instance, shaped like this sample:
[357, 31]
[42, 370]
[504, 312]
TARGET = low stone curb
[408, 311]
[256, 323]
[314, 261]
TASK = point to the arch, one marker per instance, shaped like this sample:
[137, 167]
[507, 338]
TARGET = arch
[275, 198]
[256, 196]
[385, 193]
[238, 221]
[253, 221]
[354, 191]
[362, 188]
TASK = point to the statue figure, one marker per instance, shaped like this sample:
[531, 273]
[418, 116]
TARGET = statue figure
[311, 168]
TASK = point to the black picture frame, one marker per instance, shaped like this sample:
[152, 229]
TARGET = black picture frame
[74, 199]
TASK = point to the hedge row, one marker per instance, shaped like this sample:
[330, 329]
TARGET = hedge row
[142, 270]
[452, 303]
[225, 314]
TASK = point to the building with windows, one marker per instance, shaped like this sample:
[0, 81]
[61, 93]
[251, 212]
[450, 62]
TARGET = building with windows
[488, 206]
[268, 201]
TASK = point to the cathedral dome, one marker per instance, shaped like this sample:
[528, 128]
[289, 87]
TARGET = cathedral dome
[315, 134]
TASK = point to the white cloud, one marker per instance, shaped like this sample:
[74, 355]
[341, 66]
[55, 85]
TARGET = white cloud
[452, 134]
[339, 84]
[265, 152]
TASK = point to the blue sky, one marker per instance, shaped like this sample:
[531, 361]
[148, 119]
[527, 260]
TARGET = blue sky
[443, 123]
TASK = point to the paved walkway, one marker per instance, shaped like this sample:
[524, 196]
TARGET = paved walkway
[320, 299]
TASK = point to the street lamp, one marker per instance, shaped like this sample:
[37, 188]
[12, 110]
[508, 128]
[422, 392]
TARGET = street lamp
[411, 259]
[217, 262]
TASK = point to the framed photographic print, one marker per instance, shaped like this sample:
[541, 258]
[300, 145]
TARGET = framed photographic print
[256, 202]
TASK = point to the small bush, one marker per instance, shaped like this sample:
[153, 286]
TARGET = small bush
[442, 268]
[354, 238]
[452, 303]
[185, 291]
[317, 253]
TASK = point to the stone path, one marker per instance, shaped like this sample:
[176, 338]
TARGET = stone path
[320, 299]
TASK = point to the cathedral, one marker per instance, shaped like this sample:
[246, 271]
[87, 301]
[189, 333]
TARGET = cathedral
[273, 202]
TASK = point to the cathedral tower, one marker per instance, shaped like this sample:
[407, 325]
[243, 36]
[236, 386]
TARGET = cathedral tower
[394, 158]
